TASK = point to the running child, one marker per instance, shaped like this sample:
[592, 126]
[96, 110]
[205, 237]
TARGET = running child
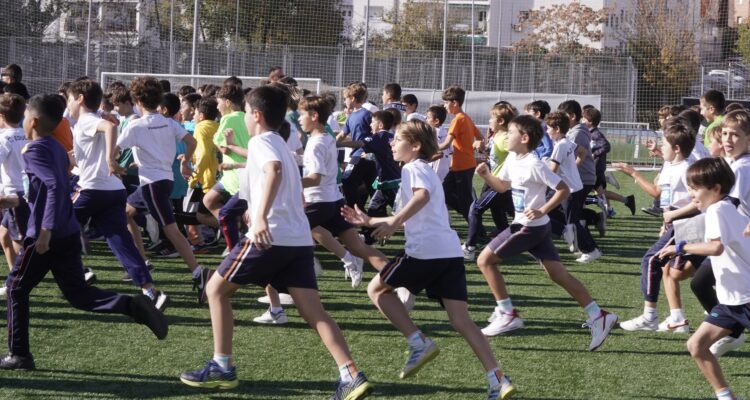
[435, 118]
[432, 259]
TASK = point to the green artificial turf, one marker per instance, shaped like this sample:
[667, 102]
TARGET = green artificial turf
[95, 356]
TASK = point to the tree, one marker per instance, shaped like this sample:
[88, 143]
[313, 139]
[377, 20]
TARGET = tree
[32, 18]
[562, 28]
[742, 47]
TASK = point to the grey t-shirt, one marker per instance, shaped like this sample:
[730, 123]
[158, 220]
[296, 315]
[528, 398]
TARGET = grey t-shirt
[581, 136]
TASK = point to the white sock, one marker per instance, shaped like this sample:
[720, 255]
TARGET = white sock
[593, 310]
[725, 394]
[494, 376]
[149, 292]
[276, 310]
[348, 258]
[677, 314]
[348, 372]
[505, 305]
[649, 313]
[223, 360]
[416, 339]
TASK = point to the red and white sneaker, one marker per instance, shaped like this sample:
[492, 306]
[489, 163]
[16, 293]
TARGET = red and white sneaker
[674, 326]
[501, 322]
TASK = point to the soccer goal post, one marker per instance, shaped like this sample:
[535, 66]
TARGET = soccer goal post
[178, 80]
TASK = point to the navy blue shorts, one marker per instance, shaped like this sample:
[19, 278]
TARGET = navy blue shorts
[224, 195]
[442, 278]
[154, 197]
[328, 216]
[734, 318]
[517, 239]
[282, 267]
[15, 219]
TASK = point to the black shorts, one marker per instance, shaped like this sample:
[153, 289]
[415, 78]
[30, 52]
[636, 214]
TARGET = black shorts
[517, 239]
[282, 267]
[224, 196]
[154, 197]
[601, 180]
[443, 278]
[328, 216]
[197, 197]
[15, 219]
[734, 318]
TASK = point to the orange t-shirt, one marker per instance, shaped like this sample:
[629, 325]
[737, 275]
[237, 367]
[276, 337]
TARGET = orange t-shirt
[464, 133]
[63, 134]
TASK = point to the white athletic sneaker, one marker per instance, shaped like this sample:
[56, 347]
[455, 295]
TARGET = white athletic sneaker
[272, 318]
[639, 323]
[406, 297]
[152, 228]
[469, 252]
[586, 258]
[317, 266]
[418, 357]
[286, 299]
[600, 328]
[3, 292]
[503, 323]
[675, 327]
[569, 235]
[727, 344]
[355, 270]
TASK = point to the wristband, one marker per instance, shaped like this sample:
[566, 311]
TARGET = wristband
[680, 248]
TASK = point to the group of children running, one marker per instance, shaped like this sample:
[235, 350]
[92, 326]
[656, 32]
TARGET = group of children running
[281, 165]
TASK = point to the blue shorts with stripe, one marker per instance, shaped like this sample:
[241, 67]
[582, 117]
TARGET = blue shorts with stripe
[441, 278]
[733, 318]
[154, 197]
[282, 267]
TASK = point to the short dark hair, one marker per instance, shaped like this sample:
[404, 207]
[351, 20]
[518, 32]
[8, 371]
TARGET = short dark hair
[678, 133]
[91, 91]
[14, 72]
[454, 93]
[540, 106]
[147, 91]
[438, 112]
[288, 80]
[709, 172]
[571, 107]
[733, 107]
[558, 119]
[691, 118]
[12, 107]
[530, 126]
[285, 130]
[271, 102]
[317, 104]
[593, 115]
[192, 99]
[170, 103]
[185, 90]
[396, 114]
[274, 68]
[233, 80]
[48, 109]
[210, 90]
[166, 86]
[233, 93]
[385, 118]
[63, 88]
[715, 99]
[119, 94]
[393, 90]
[410, 99]
[208, 107]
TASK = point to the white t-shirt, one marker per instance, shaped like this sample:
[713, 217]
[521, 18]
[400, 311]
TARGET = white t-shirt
[333, 123]
[293, 143]
[732, 267]
[321, 157]
[286, 218]
[741, 188]
[90, 152]
[529, 179]
[564, 155]
[12, 142]
[443, 165]
[370, 107]
[153, 140]
[673, 184]
[416, 115]
[428, 232]
[699, 151]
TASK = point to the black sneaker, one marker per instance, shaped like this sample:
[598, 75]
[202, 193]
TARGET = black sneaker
[12, 361]
[89, 276]
[126, 277]
[199, 284]
[143, 312]
[653, 211]
[630, 204]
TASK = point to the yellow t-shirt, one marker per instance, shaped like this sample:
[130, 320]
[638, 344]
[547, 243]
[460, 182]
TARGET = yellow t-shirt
[205, 162]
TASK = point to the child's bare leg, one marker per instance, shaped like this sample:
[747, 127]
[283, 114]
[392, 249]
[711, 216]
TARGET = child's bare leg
[181, 245]
[208, 220]
[699, 344]
[219, 292]
[135, 230]
[310, 308]
[672, 278]
[357, 247]
[557, 272]
[458, 312]
[387, 302]
[615, 196]
[489, 264]
[273, 297]
[326, 239]
[8, 247]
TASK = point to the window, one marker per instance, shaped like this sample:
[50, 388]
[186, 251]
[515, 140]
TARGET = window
[482, 16]
[739, 20]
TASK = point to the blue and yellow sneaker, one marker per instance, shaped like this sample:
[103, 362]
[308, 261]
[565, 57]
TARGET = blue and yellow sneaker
[211, 376]
[418, 357]
[357, 389]
[502, 391]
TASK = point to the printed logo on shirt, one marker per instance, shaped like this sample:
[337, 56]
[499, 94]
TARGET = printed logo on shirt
[519, 202]
[666, 196]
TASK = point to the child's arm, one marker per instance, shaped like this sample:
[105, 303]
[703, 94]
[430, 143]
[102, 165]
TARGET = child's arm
[580, 154]
[685, 211]
[40, 165]
[498, 185]
[311, 180]
[649, 187]
[233, 148]
[259, 231]
[110, 139]
[712, 248]
[346, 141]
[187, 171]
[385, 226]
[746, 232]
[553, 166]
[562, 191]
[446, 143]
[9, 201]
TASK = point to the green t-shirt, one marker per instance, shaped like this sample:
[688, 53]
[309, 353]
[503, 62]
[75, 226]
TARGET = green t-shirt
[498, 151]
[236, 121]
[707, 133]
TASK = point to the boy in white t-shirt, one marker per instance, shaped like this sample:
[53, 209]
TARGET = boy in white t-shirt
[411, 103]
[436, 116]
[12, 142]
[710, 180]
[153, 140]
[100, 195]
[277, 250]
[672, 190]
[432, 258]
[528, 178]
